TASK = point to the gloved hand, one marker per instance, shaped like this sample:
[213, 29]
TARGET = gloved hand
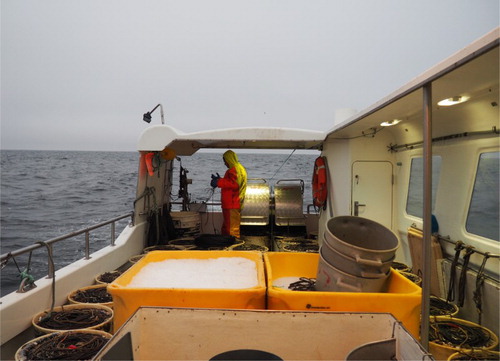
[215, 180]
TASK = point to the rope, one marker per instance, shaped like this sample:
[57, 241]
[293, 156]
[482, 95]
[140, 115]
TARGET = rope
[211, 197]
[6, 260]
[451, 287]
[303, 284]
[148, 191]
[469, 250]
[477, 294]
[51, 260]
[281, 166]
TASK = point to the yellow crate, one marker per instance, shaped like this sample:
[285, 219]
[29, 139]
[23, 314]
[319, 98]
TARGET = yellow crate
[128, 299]
[403, 298]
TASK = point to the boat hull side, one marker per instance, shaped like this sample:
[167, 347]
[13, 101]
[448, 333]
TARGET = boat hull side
[17, 309]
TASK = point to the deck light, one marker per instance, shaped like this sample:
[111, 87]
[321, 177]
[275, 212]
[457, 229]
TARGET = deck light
[147, 116]
[453, 100]
[391, 122]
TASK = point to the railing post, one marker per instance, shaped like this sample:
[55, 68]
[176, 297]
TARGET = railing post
[87, 245]
[113, 234]
[51, 270]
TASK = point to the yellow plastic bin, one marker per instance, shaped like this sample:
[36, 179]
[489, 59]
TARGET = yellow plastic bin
[127, 299]
[402, 299]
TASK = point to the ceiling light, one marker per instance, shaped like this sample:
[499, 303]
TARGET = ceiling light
[390, 122]
[453, 100]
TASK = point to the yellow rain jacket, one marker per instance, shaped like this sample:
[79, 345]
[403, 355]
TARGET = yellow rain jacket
[234, 184]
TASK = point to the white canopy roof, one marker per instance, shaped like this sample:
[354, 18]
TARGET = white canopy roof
[157, 137]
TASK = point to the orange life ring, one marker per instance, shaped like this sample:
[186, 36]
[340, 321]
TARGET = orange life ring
[319, 186]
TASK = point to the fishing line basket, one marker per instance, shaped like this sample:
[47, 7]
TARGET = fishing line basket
[97, 294]
[64, 345]
[136, 258]
[186, 242]
[107, 277]
[441, 307]
[309, 247]
[215, 242]
[401, 267]
[248, 247]
[448, 335]
[164, 247]
[73, 317]
[475, 355]
[413, 277]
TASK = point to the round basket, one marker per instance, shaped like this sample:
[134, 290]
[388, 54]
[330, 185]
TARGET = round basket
[284, 240]
[441, 349]
[92, 294]
[99, 314]
[441, 307]
[107, 277]
[187, 243]
[164, 247]
[135, 259]
[475, 355]
[412, 277]
[309, 247]
[71, 345]
[401, 267]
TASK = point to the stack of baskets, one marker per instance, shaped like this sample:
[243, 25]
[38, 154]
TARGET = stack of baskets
[355, 256]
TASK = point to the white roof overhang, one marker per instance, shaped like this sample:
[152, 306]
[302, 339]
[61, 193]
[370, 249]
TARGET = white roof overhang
[472, 71]
[157, 137]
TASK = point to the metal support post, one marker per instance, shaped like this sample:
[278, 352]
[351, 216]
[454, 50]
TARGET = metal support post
[427, 215]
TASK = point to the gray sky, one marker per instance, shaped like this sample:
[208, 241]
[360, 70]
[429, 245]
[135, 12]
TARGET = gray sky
[78, 75]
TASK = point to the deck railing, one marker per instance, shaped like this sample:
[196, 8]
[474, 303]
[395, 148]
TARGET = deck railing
[4, 258]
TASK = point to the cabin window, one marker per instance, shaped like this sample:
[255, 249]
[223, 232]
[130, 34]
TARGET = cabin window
[482, 219]
[415, 201]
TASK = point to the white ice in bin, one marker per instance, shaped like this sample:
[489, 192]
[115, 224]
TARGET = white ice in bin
[212, 273]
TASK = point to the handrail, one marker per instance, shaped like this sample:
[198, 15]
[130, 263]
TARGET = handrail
[4, 258]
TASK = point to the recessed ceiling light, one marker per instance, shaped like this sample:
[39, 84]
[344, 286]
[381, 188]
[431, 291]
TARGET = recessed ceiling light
[453, 100]
[390, 122]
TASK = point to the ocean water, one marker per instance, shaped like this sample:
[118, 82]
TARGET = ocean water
[46, 194]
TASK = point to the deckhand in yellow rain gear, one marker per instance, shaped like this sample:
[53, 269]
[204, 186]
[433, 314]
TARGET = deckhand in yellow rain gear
[233, 188]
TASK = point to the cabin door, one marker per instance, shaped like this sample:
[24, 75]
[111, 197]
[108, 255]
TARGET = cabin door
[372, 191]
